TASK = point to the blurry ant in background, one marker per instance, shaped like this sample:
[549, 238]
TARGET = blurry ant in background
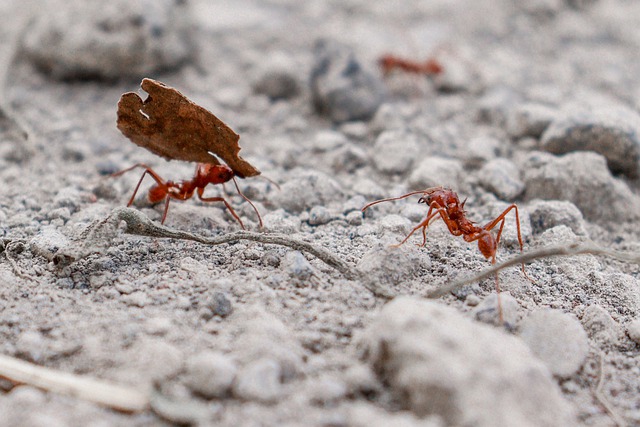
[205, 174]
[445, 202]
[390, 63]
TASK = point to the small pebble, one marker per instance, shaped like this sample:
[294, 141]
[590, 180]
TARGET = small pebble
[159, 326]
[546, 214]
[600, 326]
[341, 87]
[280, 221]
[277, 84]
[434, 172]
[395, 223]
[305, 189]
[529, 119]
[487, 310]
[136, 299]
[354, 218]
[458, 75]
[502, 178]
[558, 339]
[31, 345]
[480, 150]
[219, 305]
[348, 159]
[395, 151]
[259, 381]
[47, 242]
[326, 390]
[152, 358]
[633, 330]
[319, 215]
[388, 268]
[299, 268]
[210, 374]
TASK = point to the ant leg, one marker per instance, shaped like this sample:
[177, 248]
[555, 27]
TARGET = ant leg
[501, 218]
[166, 209]
[235, 182]
[149, 171]
[424, 224]
[223, 200]
[500, 315]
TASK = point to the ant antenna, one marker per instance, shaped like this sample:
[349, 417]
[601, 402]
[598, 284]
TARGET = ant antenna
[235, 182]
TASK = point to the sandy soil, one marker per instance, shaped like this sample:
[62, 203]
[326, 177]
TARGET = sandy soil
[251, 333]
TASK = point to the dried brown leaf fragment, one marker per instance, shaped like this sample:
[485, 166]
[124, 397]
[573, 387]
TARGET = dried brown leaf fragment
[170, 125]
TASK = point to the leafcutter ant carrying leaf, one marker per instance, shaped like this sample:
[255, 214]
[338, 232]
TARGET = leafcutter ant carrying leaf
[170, 125]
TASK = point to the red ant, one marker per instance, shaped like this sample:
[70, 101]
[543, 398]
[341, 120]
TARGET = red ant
[205, 174]
[444, 202]
[430, 67]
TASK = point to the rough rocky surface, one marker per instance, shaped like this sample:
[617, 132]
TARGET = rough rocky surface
[248, 333]
[437, 362]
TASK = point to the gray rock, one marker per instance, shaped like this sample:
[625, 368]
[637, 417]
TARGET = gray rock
[600, 326]
[210, 374]
[502, 178]
[529, 119]
[261, 335]
[219, 305]
[31, 345]
[389, 269]
[366, 414]
[47, 243]
[298, 267]
[326, 390]
[150, 359]
[436, 171]
[480, 150]
[487, 310]
[612, 130]
[159, 326]
[341, 88]
[281, 222]
[394, 152]
[277, 84]
[319, 215]
[546, 214]
[583, 179]
[633, 330]
[305, 189]
[558, 339]
[136, 299]
[435, 361]
[259, 380]
[82, 39]
[457, 74]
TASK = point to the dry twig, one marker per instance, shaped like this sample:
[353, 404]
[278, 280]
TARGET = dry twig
[104, 393]
[546, 252]
[139, 224]
[603, 400]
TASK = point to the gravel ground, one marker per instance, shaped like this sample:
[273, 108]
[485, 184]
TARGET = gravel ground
[327, 323]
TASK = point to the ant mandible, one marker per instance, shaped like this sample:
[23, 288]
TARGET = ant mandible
[205, 174]
[430, 67]
[445, 202]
